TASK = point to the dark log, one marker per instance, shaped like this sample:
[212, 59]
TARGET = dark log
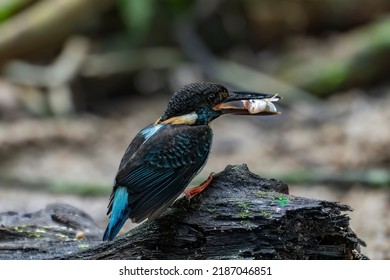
[52, 232]
[239, 216]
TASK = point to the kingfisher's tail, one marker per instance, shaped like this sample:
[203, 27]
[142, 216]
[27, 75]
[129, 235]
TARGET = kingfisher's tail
[120, 212]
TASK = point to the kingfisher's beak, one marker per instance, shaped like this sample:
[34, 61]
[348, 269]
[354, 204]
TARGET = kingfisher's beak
[248, 103]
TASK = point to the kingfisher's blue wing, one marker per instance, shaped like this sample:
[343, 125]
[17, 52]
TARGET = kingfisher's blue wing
[158, 171]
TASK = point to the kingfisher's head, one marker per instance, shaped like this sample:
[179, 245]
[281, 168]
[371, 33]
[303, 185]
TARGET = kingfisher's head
[200, 103]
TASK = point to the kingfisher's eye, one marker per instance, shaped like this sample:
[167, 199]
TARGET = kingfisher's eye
[212, 97]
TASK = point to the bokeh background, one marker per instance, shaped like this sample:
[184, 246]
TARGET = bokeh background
[79, 78]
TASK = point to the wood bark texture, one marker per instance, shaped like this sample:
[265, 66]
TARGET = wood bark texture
[239, 216]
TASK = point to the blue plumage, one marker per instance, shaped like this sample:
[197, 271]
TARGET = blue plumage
[119, 213]
[152, 175]
[149, 131]
[165, 156]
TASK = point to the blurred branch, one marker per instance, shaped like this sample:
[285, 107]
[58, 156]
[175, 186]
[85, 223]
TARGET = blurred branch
[111, 63]
[63, 70]
[10, 7]
[355, 59]
[42, 23]
[75, 61]
[56, 78]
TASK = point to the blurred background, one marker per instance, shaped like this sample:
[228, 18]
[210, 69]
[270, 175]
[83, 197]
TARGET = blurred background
[79, 79]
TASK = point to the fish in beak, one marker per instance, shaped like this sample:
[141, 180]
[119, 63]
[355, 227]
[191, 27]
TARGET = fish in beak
[248, 103]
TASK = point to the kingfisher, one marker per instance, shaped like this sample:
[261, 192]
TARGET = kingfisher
[165, 156]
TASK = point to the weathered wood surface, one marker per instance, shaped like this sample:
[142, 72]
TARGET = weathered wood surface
[57, 230]
[239, 216]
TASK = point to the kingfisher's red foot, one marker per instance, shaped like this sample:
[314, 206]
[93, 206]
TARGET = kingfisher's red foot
[192, 192]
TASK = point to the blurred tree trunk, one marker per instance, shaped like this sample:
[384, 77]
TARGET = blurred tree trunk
[44, 23]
